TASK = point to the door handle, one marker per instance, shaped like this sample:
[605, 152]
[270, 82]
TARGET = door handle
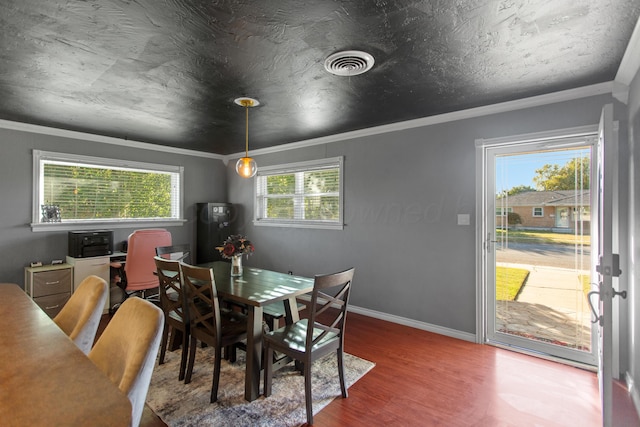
[598, 319]
[489, 242]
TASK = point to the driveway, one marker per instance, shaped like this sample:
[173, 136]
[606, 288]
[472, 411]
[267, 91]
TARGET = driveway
[550, 255]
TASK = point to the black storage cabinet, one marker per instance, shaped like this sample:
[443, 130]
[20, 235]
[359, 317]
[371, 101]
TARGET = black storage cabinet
[212, 228]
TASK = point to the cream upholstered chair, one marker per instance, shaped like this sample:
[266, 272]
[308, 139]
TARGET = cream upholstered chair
[127, 349]
[80, 316]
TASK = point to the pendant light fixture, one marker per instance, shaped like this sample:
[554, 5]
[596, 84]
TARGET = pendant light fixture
[246, 166]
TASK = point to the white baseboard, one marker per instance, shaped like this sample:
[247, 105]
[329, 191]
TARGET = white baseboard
[453, 333]
[633, 390]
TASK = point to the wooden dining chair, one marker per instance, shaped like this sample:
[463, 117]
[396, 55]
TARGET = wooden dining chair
[310, 339]
[208, 323]
[176, 319]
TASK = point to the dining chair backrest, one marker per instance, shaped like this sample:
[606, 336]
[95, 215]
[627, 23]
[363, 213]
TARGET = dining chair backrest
[175, 252]
[80, 316]
[176, 316]
[201, 298]
[127, 349]
[329, 291]
[170, 288]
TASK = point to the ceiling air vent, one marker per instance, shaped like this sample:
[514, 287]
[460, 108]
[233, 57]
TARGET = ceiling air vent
[349, 63]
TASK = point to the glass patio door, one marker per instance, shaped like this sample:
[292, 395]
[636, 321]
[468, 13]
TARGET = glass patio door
[537, 246]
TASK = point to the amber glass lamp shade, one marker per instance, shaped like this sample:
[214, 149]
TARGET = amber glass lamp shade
[246, 167]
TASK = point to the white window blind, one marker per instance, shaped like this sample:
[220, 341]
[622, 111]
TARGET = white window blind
[86, 189]
[307, 194]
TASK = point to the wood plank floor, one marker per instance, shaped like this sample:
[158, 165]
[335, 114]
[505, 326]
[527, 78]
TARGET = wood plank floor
[426, 379]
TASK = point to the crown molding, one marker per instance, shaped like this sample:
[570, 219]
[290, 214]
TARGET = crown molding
[630, 64]
[519, 104]
[83, 136]
[535, 101]
[620, 92]
[629, 67]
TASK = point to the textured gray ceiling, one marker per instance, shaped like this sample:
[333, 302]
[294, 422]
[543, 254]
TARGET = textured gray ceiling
[167, 72]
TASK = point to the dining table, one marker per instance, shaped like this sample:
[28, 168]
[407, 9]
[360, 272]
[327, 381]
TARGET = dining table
[45, 379]
[255, 289]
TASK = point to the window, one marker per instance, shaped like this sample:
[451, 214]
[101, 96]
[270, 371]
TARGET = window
[503, 211]
[307, 194]
[83, 190]
[582, 213]
[538, 212]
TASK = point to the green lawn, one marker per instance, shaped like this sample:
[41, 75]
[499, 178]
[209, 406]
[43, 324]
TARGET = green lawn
[527, 236]
[509, 281]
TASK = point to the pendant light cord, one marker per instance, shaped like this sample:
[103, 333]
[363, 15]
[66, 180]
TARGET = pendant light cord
[246, 149]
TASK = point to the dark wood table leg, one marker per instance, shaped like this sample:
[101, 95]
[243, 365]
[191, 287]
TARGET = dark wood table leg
[254, 354]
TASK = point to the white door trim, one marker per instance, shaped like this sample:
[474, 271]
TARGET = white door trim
[569, 134]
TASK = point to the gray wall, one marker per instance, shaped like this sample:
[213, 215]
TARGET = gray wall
[633, 261]
[205, 180]
[403, 191]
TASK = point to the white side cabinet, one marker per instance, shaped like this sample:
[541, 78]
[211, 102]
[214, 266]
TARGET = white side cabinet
[97, 266]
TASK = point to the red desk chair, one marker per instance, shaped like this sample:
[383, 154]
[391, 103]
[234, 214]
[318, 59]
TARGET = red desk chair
[138, 270]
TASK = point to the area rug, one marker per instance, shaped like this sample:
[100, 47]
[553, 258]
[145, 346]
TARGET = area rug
[180, 404]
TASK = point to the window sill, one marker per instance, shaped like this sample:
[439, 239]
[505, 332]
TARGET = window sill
[98, 225]
[293, 224]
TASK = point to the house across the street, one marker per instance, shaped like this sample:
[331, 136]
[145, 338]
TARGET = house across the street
[562, 211]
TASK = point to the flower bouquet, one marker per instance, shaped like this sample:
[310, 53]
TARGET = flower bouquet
[235, 245]
[233, 248]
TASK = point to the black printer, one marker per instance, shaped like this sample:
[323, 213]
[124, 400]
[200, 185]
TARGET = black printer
[83, 244]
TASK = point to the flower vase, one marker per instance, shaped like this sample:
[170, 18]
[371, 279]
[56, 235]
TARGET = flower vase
[236, 266]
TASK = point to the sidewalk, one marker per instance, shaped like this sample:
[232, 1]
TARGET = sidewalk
[550, 307]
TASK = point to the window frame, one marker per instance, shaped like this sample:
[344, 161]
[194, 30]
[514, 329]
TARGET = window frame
[73, 224]
[503, 212]
[288, 168]
[533, 212]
